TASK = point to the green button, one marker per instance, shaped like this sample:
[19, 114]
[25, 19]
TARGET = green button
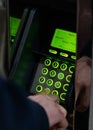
[39, 88]
[41, 79]
[63, 54]
[71, 69]
[68, 78]
[46, 91]
[52, 73]
[60, 76]
[47, 62]
[55, 64]
[73, 57]
[62, 96]
[44, 71]
[57, 84]
[63, 66]
[52, 51]
[65, 87]
[54, 92]
[49, 82]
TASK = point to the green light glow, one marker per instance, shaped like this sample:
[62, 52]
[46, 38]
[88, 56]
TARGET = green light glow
[14, 24]
[52, 51]
[58, 84]
[63, 54]
[65, 87]
[39, 88]
[62, 96]
[64, 40]
[55, 92]
[49, 82]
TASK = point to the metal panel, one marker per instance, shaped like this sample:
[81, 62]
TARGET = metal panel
[4, 38]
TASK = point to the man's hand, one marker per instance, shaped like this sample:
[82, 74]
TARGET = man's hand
[82, 83]
[56, 113]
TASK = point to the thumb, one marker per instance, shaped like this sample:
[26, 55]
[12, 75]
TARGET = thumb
[63, 110]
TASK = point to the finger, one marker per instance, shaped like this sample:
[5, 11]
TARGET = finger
[46, 91]
[55, 98]
[62, 125]
[84, 101]
[58, 129]
[77, 87]
[63, 110]
[77, 91]
[63, 122]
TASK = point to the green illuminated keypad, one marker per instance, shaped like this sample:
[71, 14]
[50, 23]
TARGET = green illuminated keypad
[53, 74]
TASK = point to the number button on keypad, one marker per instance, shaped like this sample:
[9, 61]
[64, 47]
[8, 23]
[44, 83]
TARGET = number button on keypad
[47, 62]
[44, 71]
[49, 82]
[68, 78]
[57, 84]
[52, 73]
[55, 64]
[63, 66]
[60, 76]
[42, 79]
[39, 88]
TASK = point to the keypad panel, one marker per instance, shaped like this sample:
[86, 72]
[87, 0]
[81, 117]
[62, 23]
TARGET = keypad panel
[53, 74]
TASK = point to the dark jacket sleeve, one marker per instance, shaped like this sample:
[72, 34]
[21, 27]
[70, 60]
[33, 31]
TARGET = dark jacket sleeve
[17, 112]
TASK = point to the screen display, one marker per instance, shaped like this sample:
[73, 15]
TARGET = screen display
[14, 24]
[65, 40]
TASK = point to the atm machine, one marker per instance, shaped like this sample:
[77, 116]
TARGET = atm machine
[44, 50]
[44, 53]
[41, 61]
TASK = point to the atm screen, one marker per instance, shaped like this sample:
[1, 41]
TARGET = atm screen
[14, 24]
[65, 40]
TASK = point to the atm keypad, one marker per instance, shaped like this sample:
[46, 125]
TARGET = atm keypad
[53, 74]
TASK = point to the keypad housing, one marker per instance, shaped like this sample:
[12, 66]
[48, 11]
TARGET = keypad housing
[54, 75]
